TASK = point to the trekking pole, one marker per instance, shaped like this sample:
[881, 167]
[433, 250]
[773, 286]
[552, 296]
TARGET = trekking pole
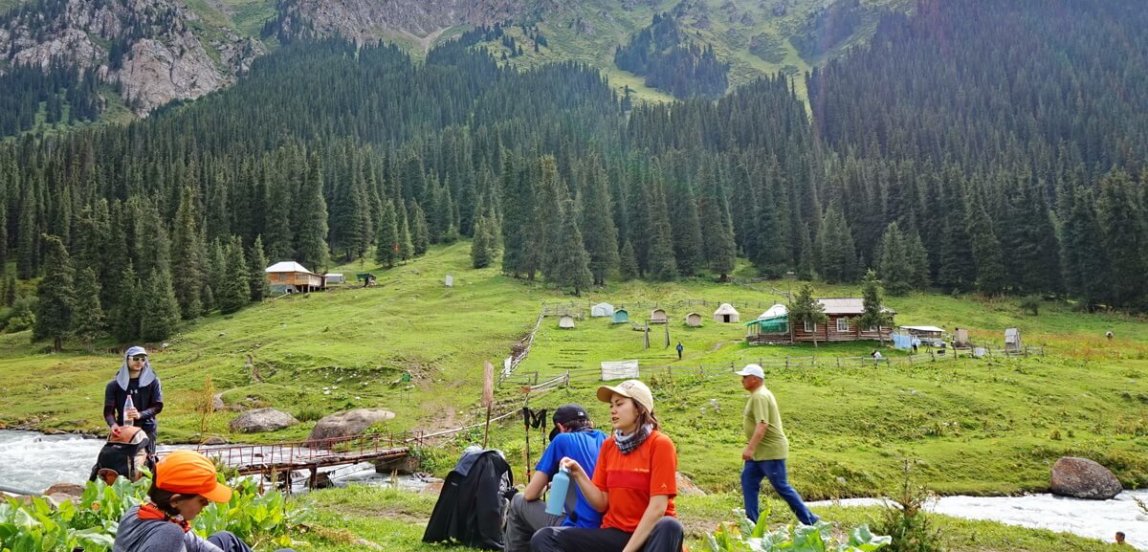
[526, 426]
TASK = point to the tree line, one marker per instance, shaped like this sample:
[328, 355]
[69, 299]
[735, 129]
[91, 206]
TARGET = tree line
[328, 152]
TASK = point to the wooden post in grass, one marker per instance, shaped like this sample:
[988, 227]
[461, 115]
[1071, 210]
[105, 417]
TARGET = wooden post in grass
[487, 396]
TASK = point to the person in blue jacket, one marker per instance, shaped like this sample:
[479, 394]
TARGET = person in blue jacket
[137, 380]
[573, 436]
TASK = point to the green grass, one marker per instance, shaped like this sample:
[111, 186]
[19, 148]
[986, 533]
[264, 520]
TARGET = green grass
[347, 519]
[990, 426]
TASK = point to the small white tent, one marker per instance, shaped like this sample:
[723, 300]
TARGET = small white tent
[602, 310]
[727, 314]
[566, 322]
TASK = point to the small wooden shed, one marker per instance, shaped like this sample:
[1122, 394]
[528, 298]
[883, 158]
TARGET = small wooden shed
[694, 320]
[621, 316]
[658, 316]
[1012, 343]
[566, 322]
[726, 314]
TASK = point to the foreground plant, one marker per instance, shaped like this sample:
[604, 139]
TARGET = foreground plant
[747, 537]
[91, 524]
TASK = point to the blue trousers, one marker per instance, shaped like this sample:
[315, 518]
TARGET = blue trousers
[774, 470]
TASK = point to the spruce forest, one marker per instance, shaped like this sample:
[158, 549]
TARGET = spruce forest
[970, 146]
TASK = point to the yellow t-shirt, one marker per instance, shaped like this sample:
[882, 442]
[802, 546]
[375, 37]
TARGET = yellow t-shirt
[762, 407]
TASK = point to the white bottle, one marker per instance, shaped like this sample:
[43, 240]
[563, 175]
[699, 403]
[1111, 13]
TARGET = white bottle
[128, 405]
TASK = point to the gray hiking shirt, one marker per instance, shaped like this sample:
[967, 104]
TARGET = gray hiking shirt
[156, 535]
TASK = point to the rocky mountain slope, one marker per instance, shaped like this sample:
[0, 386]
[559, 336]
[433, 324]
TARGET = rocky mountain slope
[164, 50]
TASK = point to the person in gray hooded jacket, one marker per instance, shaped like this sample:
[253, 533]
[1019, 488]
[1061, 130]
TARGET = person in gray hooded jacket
[137, 380]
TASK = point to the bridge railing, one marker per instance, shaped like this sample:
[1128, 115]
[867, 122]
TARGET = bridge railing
[303, 452]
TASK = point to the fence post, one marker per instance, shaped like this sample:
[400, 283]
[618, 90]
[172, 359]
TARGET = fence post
[786, 362]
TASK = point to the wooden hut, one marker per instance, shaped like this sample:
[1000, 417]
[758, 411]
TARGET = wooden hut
[658, 316]
[726, 314]
[842, 314]
[1012, 342]
[694, 320]
[621, 316]
[293, 277]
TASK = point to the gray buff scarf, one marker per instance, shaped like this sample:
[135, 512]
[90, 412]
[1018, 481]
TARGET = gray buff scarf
[627, 443]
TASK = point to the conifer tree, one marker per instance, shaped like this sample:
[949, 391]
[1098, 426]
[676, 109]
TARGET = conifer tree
[89, 317]
[548, 217]
[893, 261]
[235, 292]
[256, 265]
[1122, 218]
[387, 248]
[918, 260]
[312, 240]
[805, 308]
[991, 277]
[10, 291]
[125, 322]
[687, 229]
[663, 266]
[420, 233]
[278, 233]
[406, 246]
[954, 270]
[599, 232]
[57, 295]
[28, 235]
[835, 250]
[874, 314]
[482, 247]
[1087, 262]
[189, 257]
[160, 316]
[627, 263]
[717, 225]
[573, 263]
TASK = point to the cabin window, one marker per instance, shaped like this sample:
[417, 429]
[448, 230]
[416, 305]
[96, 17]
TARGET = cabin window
[842, 324]
[810, 327]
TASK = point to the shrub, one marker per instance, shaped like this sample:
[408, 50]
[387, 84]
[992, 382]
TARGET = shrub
[905, 519]
[744, 537]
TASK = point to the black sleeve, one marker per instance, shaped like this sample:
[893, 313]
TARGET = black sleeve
[110, 404]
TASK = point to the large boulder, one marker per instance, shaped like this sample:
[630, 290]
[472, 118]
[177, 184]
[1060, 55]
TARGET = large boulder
[348, 424]
[1083, 478]
[261, 420]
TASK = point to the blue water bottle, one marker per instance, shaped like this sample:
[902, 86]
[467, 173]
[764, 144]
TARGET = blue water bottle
[556, 502]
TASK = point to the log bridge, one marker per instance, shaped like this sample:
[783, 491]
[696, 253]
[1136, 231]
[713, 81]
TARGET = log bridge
[281, 459]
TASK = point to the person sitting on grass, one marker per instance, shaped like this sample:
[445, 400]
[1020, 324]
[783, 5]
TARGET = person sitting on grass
[633, 485]
[185, 483]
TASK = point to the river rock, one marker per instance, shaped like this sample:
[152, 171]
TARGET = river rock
[686, 486]
[70, 489]
[1083, 478]
[348, 424]
[215, 440]
[217, 402]
[261, 420]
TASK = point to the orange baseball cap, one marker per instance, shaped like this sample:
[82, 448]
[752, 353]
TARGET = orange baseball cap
[190, 473]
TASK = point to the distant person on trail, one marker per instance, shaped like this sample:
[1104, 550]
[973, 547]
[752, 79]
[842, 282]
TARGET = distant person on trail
[185, 483]
[767, 447]
[680, 347]
[633, 485]
[137, 380]
[574, 437]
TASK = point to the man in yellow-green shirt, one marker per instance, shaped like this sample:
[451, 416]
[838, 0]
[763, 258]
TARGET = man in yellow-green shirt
[766, 448]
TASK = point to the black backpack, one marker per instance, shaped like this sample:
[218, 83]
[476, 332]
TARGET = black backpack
[471, 508]
[124, 454]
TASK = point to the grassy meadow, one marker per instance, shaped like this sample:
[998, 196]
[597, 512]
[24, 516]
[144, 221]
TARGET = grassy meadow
[976, 426]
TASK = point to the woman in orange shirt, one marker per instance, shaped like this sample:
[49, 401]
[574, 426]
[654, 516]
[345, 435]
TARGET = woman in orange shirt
[634, 483]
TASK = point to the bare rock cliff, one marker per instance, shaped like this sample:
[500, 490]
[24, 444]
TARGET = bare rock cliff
[365, 21]
[144, 45]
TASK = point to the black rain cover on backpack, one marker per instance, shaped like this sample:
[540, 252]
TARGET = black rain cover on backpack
[471, 507]
[123, 457]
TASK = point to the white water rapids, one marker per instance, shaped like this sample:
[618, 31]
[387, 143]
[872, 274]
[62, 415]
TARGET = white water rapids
[33, 461]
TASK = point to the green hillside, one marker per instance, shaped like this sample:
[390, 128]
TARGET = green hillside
[980, 426]
[975, 426]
